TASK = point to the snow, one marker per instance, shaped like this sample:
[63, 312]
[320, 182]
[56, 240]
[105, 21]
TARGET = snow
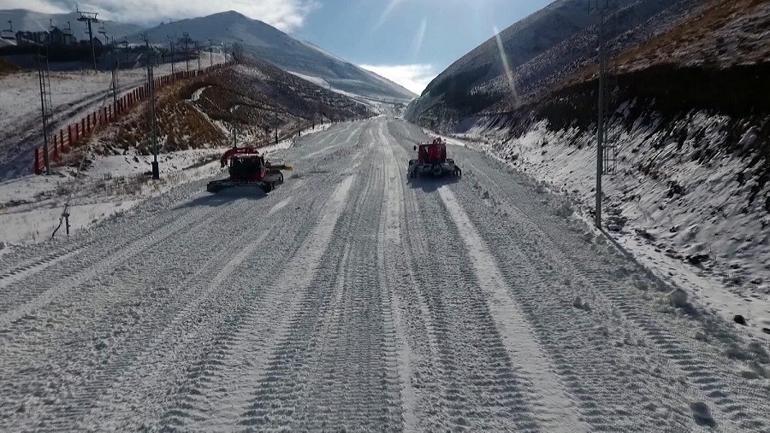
[688, 209]
[196, 96]
[73, 95]
[351, 299]
[30, 206]
[559, 414]
[112, 186]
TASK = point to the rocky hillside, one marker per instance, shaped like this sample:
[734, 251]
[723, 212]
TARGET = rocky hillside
[689, 128]
[268, 43]
[254, 98]
[541, 50]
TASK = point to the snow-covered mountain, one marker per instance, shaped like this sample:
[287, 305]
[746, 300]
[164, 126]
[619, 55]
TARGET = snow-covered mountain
[540, 50]
[26, 20]
[687, 132]
[300, 58]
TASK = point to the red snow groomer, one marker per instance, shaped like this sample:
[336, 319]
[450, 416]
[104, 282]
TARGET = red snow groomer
[247, 167]
[432, 160]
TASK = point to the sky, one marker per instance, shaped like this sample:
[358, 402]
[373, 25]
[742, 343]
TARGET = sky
[407, 41]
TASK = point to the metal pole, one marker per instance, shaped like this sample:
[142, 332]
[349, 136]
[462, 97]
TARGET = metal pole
[115, 66]
[44, 111]
[186, 52]
[153, 138]
[600, 122]
[91, 38]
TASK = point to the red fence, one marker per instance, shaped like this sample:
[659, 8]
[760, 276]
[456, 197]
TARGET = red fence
[64, 139]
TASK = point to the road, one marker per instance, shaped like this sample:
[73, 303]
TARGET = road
[351, 300]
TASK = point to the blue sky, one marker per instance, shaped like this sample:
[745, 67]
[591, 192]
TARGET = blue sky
[408, 41]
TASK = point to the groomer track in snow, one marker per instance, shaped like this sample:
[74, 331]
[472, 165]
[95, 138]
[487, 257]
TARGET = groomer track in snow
[351, 300]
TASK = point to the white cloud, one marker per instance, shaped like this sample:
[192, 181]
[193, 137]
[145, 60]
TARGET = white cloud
[286, 15]
[414, 77]
[44, 6]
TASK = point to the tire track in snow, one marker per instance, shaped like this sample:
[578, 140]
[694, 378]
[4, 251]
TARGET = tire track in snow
[123, 345]
[335, 367]
[193, 356]
[282, 204]
[705, 382]
[595, 376]
[425, 349]
[475, 385]
[32, 300]
[555, 408]
[31, 267]
[295, 279]
[590, 374]
[391, 261]
[214, 378]
[257, 331]
[214, 346]
[615, 393]
[35, 258]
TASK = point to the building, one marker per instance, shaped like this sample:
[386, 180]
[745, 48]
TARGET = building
[56, 37]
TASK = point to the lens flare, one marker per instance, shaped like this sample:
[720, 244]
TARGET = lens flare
[419, 38]
[507, 67]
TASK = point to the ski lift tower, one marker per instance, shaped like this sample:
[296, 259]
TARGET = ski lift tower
[89, 18]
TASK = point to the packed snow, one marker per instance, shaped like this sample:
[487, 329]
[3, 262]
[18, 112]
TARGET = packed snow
[351, 299]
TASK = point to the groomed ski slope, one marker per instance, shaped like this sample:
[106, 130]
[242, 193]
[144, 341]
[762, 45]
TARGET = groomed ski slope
[350, 300]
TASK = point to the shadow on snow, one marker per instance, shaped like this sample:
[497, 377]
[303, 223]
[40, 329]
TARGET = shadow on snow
[432, 184]
[226, 196]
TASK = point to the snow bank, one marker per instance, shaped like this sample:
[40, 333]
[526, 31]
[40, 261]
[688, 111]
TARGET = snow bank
[686, 207]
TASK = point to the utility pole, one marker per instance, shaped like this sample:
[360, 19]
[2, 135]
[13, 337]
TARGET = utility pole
[89, 18]
[115, 68]
[151, 112]
[45, 104]
[211, 53]
[198, 54]
[186, 39]
[171, 42]
[601, 7]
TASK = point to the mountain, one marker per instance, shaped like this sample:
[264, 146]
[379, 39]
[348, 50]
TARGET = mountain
[300, 58]
[541, 50]
[35, 21]
[687, 143]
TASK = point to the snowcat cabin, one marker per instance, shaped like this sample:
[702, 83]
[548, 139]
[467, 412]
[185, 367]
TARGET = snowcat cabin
[247, 168]
[432, 153]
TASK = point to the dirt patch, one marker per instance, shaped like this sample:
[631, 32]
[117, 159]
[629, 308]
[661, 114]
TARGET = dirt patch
[7, 68]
